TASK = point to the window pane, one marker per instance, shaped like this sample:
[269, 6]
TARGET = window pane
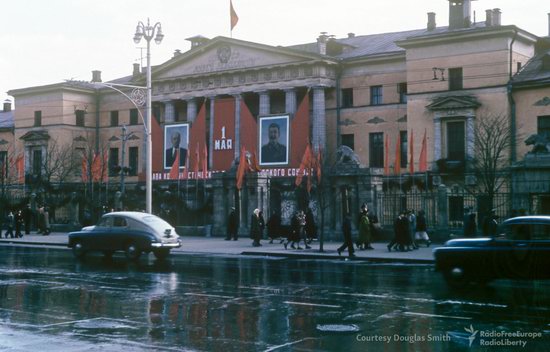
[455, 78]
[349, 140]
[133, 161]
[347, 97]
[134, 117]
[543, 126]
[376, 95]
[455, 141]
[376, 149]
[114, 118]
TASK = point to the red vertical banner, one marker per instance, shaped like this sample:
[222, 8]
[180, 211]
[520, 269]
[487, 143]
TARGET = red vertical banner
[423, 160]
[397, 166]
[197, 138]
[157, 141]
[223, 151]
[299, 132]
[248, 129]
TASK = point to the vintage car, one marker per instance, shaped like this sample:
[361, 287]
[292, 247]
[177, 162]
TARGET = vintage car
[520, 251]
[131, 232]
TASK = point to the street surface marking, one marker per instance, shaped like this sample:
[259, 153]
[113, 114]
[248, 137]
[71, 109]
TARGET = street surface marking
[311, 304]
[206, 295]
[435, 316]
[273, 348]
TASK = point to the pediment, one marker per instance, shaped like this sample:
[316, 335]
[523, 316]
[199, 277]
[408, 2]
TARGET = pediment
[32, 136]
[226, 54]
[454, 103]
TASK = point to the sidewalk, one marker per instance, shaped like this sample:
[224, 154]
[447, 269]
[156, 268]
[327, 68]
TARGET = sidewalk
[218, 246]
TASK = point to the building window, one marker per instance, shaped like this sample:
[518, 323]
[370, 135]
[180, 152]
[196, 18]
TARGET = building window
[375, 95]
[80, 117]
[402, 88]
[114, 118]
[403, 148]
[347, 97]
[133, 160]
[113, 161]
[376, 149]
[37, 118]
[134, 117]
[455, 141]
[543, 126]
[348, 140]
[37, 162]
[455, 78]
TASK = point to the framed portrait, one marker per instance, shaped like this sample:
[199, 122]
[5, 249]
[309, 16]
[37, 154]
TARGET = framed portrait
[274, 140]
[176, 141]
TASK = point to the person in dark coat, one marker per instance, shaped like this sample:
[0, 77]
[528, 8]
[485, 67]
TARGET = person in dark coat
[311, 227]
[10, 224]
[18, 223]
[401, 232]
[490, 224]
[262, 223]
[295, 231]
[255, 228]
[274, 227]
[469, 223]
[348, 242]
[27, 216]
[421, 233]
[232, 226]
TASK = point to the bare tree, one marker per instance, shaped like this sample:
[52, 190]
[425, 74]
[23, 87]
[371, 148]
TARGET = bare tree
[59, 163]
[492, 144]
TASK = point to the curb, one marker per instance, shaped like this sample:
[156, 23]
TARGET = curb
[343, 257]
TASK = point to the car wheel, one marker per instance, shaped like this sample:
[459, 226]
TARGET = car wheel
[132, 251]
[78, 250]
[456, 277]
[161, 253]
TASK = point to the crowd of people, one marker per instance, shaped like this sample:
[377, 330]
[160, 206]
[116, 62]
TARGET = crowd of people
[20, 220]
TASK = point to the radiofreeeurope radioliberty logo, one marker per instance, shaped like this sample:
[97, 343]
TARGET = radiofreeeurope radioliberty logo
[473, 334]
[500, 338]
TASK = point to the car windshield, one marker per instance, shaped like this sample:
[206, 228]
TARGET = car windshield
[525, 232]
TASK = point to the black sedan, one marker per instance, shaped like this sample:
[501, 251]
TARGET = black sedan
[131, 232]
[520, 251]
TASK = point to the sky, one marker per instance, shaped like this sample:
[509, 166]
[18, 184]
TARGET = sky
[47, 42]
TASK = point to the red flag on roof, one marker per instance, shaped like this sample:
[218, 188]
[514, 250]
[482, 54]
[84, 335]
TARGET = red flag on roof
[233, 15]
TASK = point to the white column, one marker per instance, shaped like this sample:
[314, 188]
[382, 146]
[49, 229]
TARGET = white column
[265, 106]
[191, 109]
[169, 112]
[237, 147]
[319, 132]
[437, 138]
[290, 100]
[470, 137]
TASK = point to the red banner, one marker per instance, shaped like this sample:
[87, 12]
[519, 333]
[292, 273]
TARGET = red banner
[223, 151]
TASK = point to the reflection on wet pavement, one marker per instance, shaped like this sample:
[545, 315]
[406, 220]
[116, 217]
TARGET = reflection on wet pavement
[249, 304]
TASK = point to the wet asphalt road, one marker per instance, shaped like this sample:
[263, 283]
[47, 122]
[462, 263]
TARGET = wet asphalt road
[51, 302]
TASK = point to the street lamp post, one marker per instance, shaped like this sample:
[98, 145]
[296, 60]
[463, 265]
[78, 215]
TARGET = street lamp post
[148, 32]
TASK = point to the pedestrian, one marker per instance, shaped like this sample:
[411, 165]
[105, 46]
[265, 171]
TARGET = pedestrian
[46, 223]
[40, 220]
[294, 234]
[262, 223]
[255, 228]
[274, 227]
[27, 216]
[10, 223]
[469, 223]
[490, 224]
[311, 227]
[348, 243]
[401, 229]
[18, 223]
[421, 233]
[412, 229]
[302, 231]
[232, 225]
[363, 241]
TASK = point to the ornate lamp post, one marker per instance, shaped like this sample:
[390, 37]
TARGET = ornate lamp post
[148, 32]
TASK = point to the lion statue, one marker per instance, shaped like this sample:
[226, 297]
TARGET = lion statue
[539, 142]
[346, 155]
